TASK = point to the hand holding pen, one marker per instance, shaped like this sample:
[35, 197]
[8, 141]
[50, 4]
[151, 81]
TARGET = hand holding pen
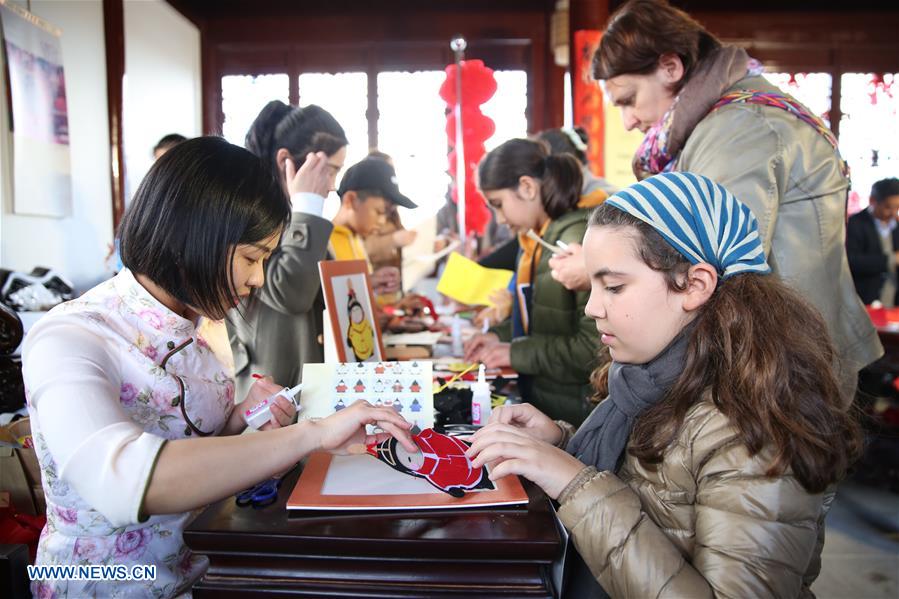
[568, 268]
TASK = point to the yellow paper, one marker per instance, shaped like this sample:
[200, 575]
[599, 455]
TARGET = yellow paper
[470, 283]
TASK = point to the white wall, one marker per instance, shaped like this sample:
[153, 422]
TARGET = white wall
[75, 245]
[162, 82]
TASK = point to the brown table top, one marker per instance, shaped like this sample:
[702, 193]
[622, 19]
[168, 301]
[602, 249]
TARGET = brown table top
[485, 551]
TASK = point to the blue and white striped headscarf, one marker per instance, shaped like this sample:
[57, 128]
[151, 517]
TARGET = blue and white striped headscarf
[701, 219]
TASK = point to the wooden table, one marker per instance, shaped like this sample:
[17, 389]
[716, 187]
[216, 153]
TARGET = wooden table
[496, 552]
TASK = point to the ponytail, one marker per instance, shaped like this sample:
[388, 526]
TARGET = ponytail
[261, 136]
[559, 175]
[561, 187]
[298, 130]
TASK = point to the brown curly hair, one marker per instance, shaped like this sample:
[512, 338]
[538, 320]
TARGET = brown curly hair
[764, 354]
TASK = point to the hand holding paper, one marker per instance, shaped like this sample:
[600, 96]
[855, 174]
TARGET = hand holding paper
[470, 283]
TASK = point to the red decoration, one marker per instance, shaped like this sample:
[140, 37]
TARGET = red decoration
[879, 84]
[478, 86]
[441, 460]
[588, 100]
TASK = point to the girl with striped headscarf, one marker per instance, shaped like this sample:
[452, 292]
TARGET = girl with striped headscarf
[708, 468]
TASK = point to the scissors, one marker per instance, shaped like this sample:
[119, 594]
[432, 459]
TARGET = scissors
[260, 495]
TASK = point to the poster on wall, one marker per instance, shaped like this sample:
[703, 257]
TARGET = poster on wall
[40, 123]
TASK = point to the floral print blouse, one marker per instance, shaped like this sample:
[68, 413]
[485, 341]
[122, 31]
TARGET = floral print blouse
[102, 405]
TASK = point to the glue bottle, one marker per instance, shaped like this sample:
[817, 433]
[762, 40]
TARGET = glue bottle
[480, 399]
[261, 413]
[456, 331]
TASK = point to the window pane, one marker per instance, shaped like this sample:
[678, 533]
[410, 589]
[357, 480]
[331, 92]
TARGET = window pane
[243, 96]
[412, 129]
[507, 107]
[869, 131]
[345, 96]
[812, 89]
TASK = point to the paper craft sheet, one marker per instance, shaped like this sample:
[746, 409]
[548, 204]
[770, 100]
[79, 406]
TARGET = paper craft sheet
[470, 283]
[360, 482]
[407, 387]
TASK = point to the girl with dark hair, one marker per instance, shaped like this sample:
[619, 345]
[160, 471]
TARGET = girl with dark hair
[574, 141]
[705, 108]
[708, 468]
[547, 338]
[133, 416]
[279, 330]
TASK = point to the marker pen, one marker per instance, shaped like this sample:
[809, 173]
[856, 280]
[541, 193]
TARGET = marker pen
[261, 413]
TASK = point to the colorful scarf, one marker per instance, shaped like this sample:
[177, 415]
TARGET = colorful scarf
[712, 77]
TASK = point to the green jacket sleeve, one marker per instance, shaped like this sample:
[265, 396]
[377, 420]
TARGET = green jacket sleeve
[503, 330]
[559, 356]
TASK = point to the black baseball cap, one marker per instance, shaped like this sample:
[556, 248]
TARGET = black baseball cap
[373, 174]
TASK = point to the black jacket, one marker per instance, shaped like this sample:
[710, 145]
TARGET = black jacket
[867, 261]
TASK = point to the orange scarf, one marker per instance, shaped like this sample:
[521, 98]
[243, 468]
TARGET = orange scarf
[531, 252]
[344, 244]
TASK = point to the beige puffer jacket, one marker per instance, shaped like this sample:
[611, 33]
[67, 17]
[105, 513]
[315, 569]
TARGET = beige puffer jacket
[706, 523]
[790, 177]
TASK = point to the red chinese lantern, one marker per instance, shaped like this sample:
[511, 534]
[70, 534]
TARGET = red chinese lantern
[478, 85]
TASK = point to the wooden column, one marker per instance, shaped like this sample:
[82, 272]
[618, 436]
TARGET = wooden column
[114, 35]
[584, 14]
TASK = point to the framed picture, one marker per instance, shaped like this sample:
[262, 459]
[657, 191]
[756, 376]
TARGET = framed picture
[40, 165]
[350, 307]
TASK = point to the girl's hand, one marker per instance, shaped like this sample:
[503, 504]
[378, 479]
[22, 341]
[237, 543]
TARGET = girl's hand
[313, 177]
[499, 311]
[498, 355]
[386, 280]
[283, 410]
[569, 270]
[528, 420]
[344, 432]
[403, 237]
[512, 451]
[478, 344]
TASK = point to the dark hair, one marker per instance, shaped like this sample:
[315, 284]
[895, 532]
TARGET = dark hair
[169, 141]
[379, 155]
[561, 142]
[764, 354]
[559, 175]
[199, 200]
[298, 130]
[884, 188]
[641, 31]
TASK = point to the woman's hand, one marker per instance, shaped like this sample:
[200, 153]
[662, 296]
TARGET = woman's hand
[511, 451]
[313, 177]
[475, 346]
[528, 420]
[569, 269]
[344, 432]
[283, 410]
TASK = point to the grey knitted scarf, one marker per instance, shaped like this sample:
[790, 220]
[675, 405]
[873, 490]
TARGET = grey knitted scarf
[633, 388]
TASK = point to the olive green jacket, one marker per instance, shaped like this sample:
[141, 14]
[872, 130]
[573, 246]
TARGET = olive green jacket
[559, 352]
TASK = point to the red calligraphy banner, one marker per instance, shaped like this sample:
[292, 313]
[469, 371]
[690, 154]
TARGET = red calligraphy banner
[588, 99]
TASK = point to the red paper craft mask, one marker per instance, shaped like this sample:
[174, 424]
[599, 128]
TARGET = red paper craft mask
[441, 461]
